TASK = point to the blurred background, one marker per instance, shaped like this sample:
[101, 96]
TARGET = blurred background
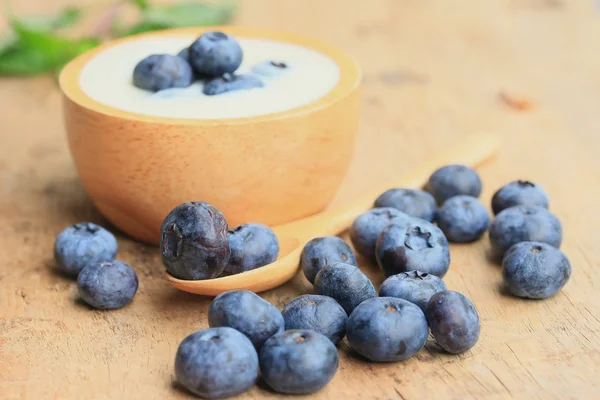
[432, 71]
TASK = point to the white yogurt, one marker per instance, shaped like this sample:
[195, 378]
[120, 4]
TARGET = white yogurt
[310, 75]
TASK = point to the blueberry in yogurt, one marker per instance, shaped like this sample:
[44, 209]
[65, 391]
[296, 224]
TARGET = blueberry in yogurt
[162, 71]
[215, 54]
[185, 54]
[230, 83]
[270, 68]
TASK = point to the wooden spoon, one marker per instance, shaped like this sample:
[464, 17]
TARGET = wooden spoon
[294, 235]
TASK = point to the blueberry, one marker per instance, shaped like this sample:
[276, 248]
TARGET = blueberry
[535, 270]
[298, 362]
[252, 246]
[387, 329]
[416, 203]
[366, 228]
[107, 285]
[162, 71]
[193, 241]
[230, 83]
[323, 251]
[463, 219]
[215, 54]
[524, 224]
[346, 284]
[216, 363]
[453, 180]
[421, 246]
[81, 245]
[270, 68]
[185, 54]
[414, 286]
[453, 320]
[248, 313]
[519, 193]
[316, 313]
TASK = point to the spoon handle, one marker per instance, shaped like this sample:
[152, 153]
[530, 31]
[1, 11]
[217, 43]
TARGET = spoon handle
[472, 151]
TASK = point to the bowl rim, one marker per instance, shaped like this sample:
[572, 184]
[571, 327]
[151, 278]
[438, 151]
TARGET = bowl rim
[350, 76]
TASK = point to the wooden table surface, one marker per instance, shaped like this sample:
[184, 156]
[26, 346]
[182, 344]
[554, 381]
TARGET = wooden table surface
[433, 73]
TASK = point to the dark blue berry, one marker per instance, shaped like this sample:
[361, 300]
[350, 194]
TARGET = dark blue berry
[230, 83]
[453, 180]
[453, 320]
[252, 246]
[421, 246]
[162, 71]
[81, 245]
[414, 286]
[535, 270]
[366, 228]
[463, 219]
[387, 329]
[298, 362]
[519, 193]
[316, 313]
[107, 285]
[216, 363]
[248, 313]
[346, 284]
[215, 54]
[320, 252]
[194, 242]
[416, 203]
[270, 68]
[185, 54]
[524, 224]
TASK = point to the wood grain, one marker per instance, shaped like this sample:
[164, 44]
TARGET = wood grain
[433, 73]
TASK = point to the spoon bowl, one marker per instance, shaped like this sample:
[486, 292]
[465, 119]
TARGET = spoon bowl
[292, 236]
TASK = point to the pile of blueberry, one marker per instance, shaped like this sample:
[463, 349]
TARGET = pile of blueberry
[295, 349]
[195, 243]
[212, 58]
[87, 252]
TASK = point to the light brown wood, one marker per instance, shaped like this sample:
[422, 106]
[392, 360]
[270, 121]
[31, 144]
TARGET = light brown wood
[473, 150]
[137, 168]
[434, 71]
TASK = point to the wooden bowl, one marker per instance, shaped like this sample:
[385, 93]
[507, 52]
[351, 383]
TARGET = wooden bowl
[272, 168]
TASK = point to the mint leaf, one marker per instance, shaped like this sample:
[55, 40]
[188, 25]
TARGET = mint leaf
[142, 4]
[8, 42]
[189, 14]
[65, 18]
[38, 52]
[22, 61]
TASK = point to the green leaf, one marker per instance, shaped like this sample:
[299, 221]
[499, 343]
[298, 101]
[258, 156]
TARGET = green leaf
[142, 4]
[189, 14]
[39, 52]
[63, 19]
[24, 61]
[8, 42]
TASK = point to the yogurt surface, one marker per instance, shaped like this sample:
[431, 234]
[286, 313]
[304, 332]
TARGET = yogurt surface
[107, 78]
